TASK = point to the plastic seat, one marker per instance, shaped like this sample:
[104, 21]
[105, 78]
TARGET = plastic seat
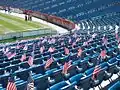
[116, 86]
[22, 74]
[100, 76]
[41, 82]
[39, 69]
[4, 80]
[62, 86]
[58, 75]
[12, 68]
[72, 70]
[82, 65]
[113, 65]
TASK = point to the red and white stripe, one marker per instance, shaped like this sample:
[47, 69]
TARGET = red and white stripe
[96, 71]
[30, 60]
[51, 49]
[10, 55]
[42, 49]
[25, 47]
[103, 54]
[79, 52]
[66, 66]
[23, 57]
[49, 62]
[11, 86]
[66, 51]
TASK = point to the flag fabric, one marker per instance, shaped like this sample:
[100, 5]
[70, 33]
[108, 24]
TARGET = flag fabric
[70, 40]
[30, 61]
[73, 44]
[17, 46]
[30, 83]
[85, 44]
[66, 66]
[119, 46]
[10, 55]
[78, 39]
[53, 40]
[94, 35]
[103, 54]
[11, 84]
[79, 52]
[62, 43]
[96, 72]
[49, 62]
[51, 49]
[116, 36]
[118, 40]
[5, 50]
[116, 31]
[25, 47]
[105, 41]
[23, 57]
[42, 49]
[91, 39]
[88, 32]
[66, 51]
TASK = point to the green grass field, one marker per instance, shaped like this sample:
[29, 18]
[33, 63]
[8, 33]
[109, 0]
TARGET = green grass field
[10, 24]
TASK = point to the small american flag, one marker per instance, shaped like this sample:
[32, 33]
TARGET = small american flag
[30, 60]
[66, 51]
[62, 43]
[30, 83]
[42, 49]
[10, 55]
[66, 66]
[23, 57]
[5, 50]
[79, 52]
[94, 35]
[51, 49]
[105, 41]
[25, 47]
[85, 43]
[103, 54]
[119, 46]
[17, 46]
[73, 44]
[91, 39]
[96, 71]
[118, 40]
[116, 35]
[49, 62]
[70, 40]
[78, 39]
[11, 84]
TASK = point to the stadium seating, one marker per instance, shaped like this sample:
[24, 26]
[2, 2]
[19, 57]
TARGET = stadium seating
[116, 86]
[74, 10]
[79, 74]
[97, 19]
